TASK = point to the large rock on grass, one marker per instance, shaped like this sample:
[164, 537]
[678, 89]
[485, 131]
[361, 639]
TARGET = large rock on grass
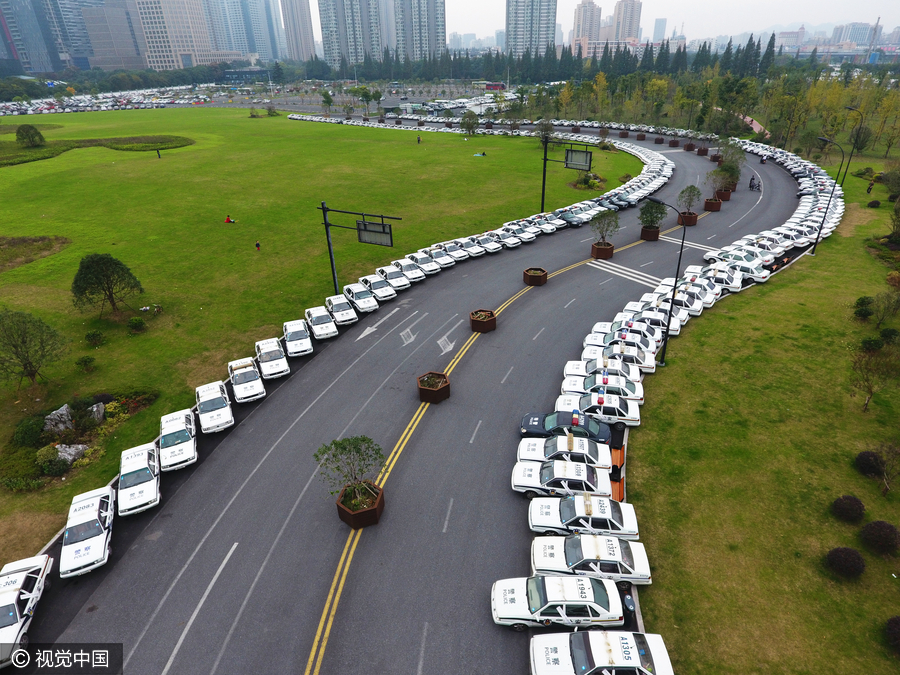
[71, 452]
[59, 420]
[97, 412]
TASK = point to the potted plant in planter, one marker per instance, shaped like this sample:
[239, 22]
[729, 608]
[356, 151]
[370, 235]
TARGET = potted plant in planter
[651, 215]
[433, 387]
[534, 276]
[604, 224]
[482, 321]
[720, 180]
[659, 140]
[732, 163]
[717, 180]
[641, 136]
[687, 198]
[689, 146]
[349, 467]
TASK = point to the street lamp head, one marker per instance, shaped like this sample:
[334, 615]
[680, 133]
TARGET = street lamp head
[850, 107]
[825, 140]
[655, 200]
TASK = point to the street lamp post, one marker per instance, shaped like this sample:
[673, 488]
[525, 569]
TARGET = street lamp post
[862, 120]
[819, 232]
[662, 357]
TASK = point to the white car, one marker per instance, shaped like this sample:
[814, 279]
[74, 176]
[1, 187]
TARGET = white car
[569, 601]
[505, 239]
[424, 262]
[724, 276]
[214, 407]
[622, 337]
[138, 479]
[321, 323]
[21, 586]
[520, 233]
[440, 256]
[629, 355]
[732, 255]
[454, 250]
[603, 407]
[567, 448]
[245, 380]
[695, 291]
[755, 272]
[691, 305]
[556, 477]
[582, 514]
[177, 440]
[611, 384]
[86, 542]
[753, 241]
[596, 652]
[360, 297]
[341, 311]
[631, 326]
[603, 367]
[487, 243]
[591, 555]
[766, 257]
[654, 318]
[474, 250]
[409, 269]
[296, 338]
[380, 288]
[272, 360]
[394, 277]
[656, 305]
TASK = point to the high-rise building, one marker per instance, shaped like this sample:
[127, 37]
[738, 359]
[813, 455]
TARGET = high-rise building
[116, 36]
[659, 30]
[627, 19]
[388, 25]
[421, 28]
[588, 17]
[177, 35]
[298, 30]
[351, 29]
[860, 33]
[500, 38]
[68, 36]
[454, 42]
[27, 37]
[530, 26]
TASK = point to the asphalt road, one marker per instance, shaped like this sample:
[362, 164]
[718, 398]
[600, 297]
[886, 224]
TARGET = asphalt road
[231, 573]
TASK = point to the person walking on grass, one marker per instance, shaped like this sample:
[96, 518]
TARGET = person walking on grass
[257, 244]
[418, 140]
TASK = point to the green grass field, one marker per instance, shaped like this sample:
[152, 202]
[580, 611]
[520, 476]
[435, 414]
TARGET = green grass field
[165, 219]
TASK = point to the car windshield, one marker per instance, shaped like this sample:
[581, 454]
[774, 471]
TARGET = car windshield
[537, 594]
[362, 294]
[341, 306]
[615, 512]
[601, 597]
[8, 616]
[174, 438]
[573, 550]
[82, 532]
[643, 650]
[320, 319]
[627, 555]
[394, 274]
[580, 648]
[408, 267]
[438, 254]
[546, 472]
[129, 480]
[378, 283]
[295, 335]
[451, 247]
[212, 404]
[629, 386]
[485, 240]
[567, 510]
[246, 375]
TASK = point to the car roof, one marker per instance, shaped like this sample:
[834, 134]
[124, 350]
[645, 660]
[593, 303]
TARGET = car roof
[213, 388]
[24, 565]
[571, 588]
[85, 506]
[336, 298]
[135, 458]
[597, 547]
[575, 470]
[174, 420]
[240, 364]
[320, 309]
[300, 323]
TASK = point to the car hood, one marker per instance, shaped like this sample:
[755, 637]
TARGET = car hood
[215, 417]
[175, 453]
[347, 314]
[573, 384]
[295, 345]
[568, 402]
[83, 553]
[527, 474]
[544, 512]
[575, 369]
[9, 640]
[138, 495]
[550, 655]
[249, 388]
[509, 599]
[548, 554]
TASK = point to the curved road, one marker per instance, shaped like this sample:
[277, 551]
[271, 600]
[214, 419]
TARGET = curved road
[232, 572]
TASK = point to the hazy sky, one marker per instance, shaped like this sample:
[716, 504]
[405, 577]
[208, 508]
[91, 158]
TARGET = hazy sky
[701, 19]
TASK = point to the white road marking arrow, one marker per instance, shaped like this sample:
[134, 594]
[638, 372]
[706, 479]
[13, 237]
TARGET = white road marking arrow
[371, 329]
[444, 343]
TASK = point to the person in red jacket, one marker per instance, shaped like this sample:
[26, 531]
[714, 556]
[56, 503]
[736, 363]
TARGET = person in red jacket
[229, 220]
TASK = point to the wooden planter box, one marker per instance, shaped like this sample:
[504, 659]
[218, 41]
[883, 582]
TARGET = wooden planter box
[365, 119]
[398, 122]
[436, 393]
[488, 125]
[641, 137]
[348, 117]
[659, 140]
[715, 158]
[485, 325]
[623, 134]
[712, 205]
[674, 143]
[380, 120]
[601, 252]
[720, 162]
[449, 125]
[687, 219]
[732, 187]
[364, 517]
[420, 123]
[689, 147]
[576, 130]
[702, 152]
[723, 195]
[534, 276]
[650, 233]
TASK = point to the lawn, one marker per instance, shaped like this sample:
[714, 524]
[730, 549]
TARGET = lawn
[164, 218]
[750, 434]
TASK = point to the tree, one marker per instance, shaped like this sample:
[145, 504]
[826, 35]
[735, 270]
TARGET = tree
[688, 197]
[605, 224]
[27, 344]
[29, 137]
[327, 101]
[469, 122]
[652, 214]
[544, 130]
[351, 464]
[278, 73]
[872, 371]
[886, 305]
[895, 221]
[103, 279]
[860, 137]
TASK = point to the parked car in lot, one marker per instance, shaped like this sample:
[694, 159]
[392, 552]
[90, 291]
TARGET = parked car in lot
[529, 602]
[424, 262]
[440, 256]
[296, 338]
[474, 249]
[544, 425]
[611, 384]
[556, 477]
[272, 361]
[410, 270]
[594, 652]
[341, 311]
[487, 243]
[630, 326]
[321, 323]
[394, 277]
[604, 367]
[86, 543]
[245, 380]
[454, 250]
[177, 440]
[621, 337]
[612, 410]
[505, 239]
[591, 555]
[582, 514]
[21, 585]
[214, 407]
[645, 361]
[138, 479]
[567, 448]
[380, 288]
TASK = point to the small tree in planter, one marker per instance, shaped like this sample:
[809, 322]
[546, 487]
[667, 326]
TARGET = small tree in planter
[651, 215]
[687, 199]
[604, 224]
[733, 158]
[349, 467]
[718, 180]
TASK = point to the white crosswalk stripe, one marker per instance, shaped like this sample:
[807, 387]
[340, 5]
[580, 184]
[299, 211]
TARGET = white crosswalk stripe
[689, 244]
[626, 273]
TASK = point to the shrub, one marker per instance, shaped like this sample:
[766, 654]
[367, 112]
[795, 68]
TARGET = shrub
[890, 335]
[848, 508]
[104, 398]
[871, 344]
[137, 325]
[881, 537]
[28, 432]
[893, 279]
[29, 137]
[863, 313]
[798, 150]
[19, 484]
[94, 338]
[869, 463]
[892, 632]
[848, 562]
[86, 363]
[874, 204]
[864, 301]
[625, 178]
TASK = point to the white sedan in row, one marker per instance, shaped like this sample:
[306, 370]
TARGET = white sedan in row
[612, 410]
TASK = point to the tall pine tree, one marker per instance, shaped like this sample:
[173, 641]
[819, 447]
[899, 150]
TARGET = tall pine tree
[768, 58]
